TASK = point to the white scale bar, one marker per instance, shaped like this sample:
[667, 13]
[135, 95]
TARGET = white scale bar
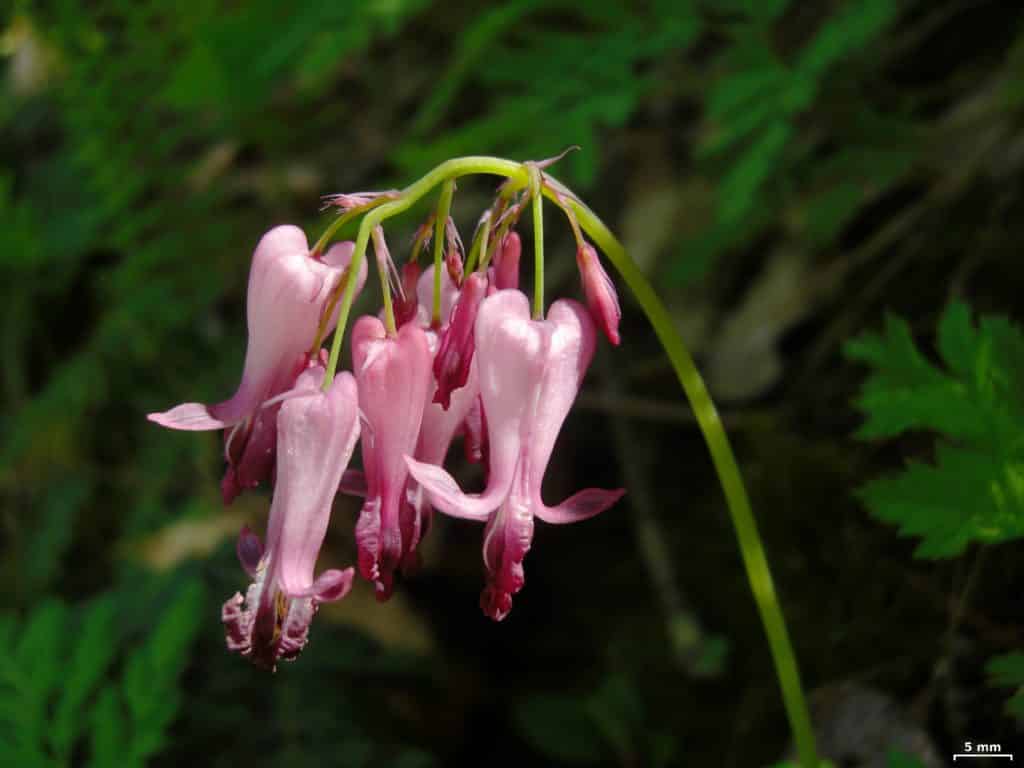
[984, 754]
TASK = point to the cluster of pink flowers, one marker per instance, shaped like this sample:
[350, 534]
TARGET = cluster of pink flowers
[482, 369]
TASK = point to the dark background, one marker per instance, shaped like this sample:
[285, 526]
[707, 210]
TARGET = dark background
[784, 172]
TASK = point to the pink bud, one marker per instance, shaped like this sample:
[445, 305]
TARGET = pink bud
[506, 262]
[602, 301]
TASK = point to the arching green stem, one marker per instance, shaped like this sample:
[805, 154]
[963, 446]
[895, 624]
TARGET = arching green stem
[758, 572]
[751, 549]
[444, 206]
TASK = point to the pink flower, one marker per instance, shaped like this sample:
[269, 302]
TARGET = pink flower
[393, 375]
[602, 300]
[530, 372]
[288, 291]
[316, 434]
[455, 353]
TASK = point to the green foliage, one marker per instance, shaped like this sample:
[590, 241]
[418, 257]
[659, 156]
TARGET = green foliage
[577, 79]
[57, 683]
[1007, 671]
[753, 143]
[974, 490]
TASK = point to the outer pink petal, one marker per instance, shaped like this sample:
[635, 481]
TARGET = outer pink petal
[511, 350]
[445, 494]
[579, 506]
[393, 376]
[316, 436]
[187, 416]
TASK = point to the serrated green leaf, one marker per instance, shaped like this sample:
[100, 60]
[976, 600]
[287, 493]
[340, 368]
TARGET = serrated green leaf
[974, 490]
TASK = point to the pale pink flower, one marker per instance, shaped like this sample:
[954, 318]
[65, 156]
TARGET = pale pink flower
[287, 296]
[530, 372]
[393, 375]
[316, 434]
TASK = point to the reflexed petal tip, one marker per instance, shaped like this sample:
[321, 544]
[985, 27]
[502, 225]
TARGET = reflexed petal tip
[187, 416]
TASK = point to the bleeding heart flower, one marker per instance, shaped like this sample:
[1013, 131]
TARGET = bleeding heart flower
[287, 296]
[393, 375]
[316, 434]
[530, 372]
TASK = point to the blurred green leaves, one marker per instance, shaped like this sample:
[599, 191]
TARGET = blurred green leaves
[576, 79]
[57, 691]
[974, 490]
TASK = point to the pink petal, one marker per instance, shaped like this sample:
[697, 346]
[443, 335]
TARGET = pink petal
[393, 376]
[445, 494]
[187, 416]
[507, 539]
[580, 506]
[316, 436]
[455, 354]
[330, 586]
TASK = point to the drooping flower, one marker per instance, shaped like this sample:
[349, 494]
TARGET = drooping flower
[316, 434]
[287, 296]
[530, 372]
[393, 375]
[602, 300]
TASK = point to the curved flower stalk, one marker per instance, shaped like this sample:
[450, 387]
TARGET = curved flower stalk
[287, 295]
[530, 372]
[316, 434]
[393, 375]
